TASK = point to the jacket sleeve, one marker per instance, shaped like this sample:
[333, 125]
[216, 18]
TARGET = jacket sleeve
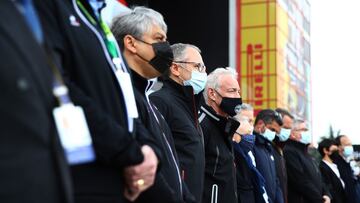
[112, 142]
[301, 181]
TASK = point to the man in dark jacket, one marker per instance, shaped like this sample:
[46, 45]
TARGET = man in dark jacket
[33, 168]
[267, 125]
[330, 172]
[223, 100]
[178, 101]
[250, 183]
[346, 173]
[279, 144]
[99, 81]
[304, 179]
[134, 41]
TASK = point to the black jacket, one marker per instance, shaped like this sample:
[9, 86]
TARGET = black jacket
[280, 166]
[333, 183]
[33, 167]
[220, 174]
[168, 186]
[265, 163]
[305, 183]
[80, 49]
[347, 176]
[178, 105]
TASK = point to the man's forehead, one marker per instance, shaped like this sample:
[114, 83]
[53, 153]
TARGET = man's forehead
[333, 147]
[228, 81]
[156, 32]
[345, 140]
[247, 113]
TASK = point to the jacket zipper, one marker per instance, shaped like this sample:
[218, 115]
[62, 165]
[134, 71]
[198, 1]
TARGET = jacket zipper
[214, 193]
[168, 145]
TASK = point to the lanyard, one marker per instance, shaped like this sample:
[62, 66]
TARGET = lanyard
[112, 51]
[110, 41]
[60, 90]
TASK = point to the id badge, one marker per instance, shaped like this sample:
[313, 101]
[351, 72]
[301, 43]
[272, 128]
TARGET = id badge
[74, 134]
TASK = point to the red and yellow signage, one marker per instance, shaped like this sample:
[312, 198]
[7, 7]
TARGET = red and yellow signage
[273, 54]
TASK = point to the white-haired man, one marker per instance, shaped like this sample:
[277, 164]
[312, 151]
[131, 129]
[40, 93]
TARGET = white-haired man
[223, 101]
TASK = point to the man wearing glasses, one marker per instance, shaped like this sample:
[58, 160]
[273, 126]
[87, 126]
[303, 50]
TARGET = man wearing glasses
[178, 102]
[305, 183]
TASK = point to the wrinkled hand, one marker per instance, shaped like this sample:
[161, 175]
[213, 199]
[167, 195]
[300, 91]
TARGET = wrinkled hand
[140, 177]
[326, 199]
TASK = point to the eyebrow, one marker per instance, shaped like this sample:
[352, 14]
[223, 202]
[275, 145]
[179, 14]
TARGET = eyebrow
[232, 88]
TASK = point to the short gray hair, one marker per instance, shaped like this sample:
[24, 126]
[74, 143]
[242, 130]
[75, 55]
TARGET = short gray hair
[243, 107]
[297, 122]
[136, 23]
[213, 79]
[179, 51]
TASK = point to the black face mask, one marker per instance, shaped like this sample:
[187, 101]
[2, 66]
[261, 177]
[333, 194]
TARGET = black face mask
[163, 56]
[231, 106]
[335, 155]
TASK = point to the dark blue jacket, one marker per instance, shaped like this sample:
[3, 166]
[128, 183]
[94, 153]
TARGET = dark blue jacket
[250, 183]
[265, 163]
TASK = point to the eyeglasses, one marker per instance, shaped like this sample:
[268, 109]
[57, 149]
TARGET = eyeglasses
[199, 66]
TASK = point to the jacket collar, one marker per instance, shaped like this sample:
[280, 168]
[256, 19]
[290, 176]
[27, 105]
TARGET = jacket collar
[297, 145]
[227, 125]
[260, 139]
[185, 92]
[143, 85]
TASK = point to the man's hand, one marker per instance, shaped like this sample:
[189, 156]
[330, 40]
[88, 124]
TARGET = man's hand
[236, 138]
[326, 199]
[140, 177]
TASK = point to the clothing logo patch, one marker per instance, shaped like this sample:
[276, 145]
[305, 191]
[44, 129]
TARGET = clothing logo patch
[74, 21]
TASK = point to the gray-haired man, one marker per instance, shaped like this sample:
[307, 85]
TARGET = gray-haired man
[223, 100]
[142, 36]
[178, 102]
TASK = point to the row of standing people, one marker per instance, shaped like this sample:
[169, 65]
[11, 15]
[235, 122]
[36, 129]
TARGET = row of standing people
[78, 124]
[274, 165]
[176, 145]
